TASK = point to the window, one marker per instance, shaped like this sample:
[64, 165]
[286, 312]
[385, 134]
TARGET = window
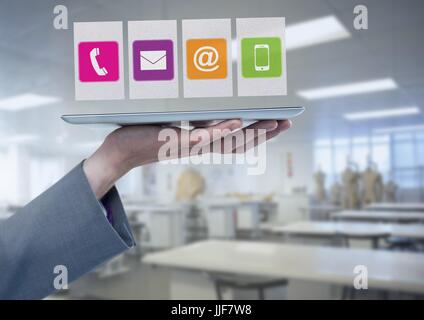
[406, 178]
[324, 161]
[399, 156]
[361, 153]
[380, 154]
[419, 139]
[341, 154]
[403, 151]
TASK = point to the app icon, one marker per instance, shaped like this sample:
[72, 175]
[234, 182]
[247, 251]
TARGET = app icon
[206, 58]
[153, 60]
[261, 57]
[98, 61]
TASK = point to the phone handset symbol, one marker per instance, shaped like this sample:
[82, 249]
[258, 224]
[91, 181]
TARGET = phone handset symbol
[93, 58]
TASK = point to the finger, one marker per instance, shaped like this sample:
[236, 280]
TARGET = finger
[200, 137]
[206, 123]
[245, 136]
[283, 125]
[267, 124]
[203, 136]
[259, 128]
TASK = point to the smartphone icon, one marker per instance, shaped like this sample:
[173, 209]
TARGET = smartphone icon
[261, 56]
[95, 64]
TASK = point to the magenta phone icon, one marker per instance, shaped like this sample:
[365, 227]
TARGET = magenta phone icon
[98, 61]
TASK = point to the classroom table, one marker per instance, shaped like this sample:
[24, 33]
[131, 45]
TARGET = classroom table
[396, 206]
[378, 216]
[341, 232]
[320, 211]
[398, 271]
[331, 228]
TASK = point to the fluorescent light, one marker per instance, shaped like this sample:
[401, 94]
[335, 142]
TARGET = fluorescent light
[384, 113]
[349, 89]
[313, 32]
[25, 101]
[400, 129]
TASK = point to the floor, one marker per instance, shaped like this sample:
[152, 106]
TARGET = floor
[140, 282]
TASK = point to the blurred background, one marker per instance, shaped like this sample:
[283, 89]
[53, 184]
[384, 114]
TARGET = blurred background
[343, 187]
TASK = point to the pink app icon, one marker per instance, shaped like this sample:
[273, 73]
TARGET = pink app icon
[98, 61]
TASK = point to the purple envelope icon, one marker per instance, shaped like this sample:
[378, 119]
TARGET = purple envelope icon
[153, 60]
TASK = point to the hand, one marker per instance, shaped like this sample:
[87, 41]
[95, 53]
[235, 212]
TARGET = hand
[133, 146]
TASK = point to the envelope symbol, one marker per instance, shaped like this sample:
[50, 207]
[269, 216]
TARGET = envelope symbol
[153, 60]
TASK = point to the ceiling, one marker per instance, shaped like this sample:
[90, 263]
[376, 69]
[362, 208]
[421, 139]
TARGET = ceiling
[34, 57]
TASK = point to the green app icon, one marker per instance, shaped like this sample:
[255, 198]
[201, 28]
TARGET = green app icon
[261, 57]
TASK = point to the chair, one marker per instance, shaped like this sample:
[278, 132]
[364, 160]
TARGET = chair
[244, 283]
[402, 244]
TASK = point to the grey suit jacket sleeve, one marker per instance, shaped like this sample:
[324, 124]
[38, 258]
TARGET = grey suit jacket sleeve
[63, 226]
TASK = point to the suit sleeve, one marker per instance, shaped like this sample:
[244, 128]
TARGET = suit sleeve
[64, 226]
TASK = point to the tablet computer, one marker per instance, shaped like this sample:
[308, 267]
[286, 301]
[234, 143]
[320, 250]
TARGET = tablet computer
[126, 119]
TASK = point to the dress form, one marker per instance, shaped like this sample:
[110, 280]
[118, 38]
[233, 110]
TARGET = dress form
[351, 189]
[336, 194]
[190, 185]
[319, 177]
[372, 186]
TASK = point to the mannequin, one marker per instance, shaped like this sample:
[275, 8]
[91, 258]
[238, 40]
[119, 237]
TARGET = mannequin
[372, 184]
[319, 177]
[379, 186]
[350, 186]
[190, 184]
[336, 193]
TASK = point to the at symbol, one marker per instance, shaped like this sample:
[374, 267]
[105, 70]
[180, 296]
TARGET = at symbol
[211, 60]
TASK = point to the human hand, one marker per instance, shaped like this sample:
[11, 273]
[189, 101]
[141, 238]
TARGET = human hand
[133, 146]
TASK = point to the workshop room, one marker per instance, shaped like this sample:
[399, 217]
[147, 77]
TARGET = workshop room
[326, 205]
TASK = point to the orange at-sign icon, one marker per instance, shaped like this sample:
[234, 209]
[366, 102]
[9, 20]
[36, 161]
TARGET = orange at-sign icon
[206, 59]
